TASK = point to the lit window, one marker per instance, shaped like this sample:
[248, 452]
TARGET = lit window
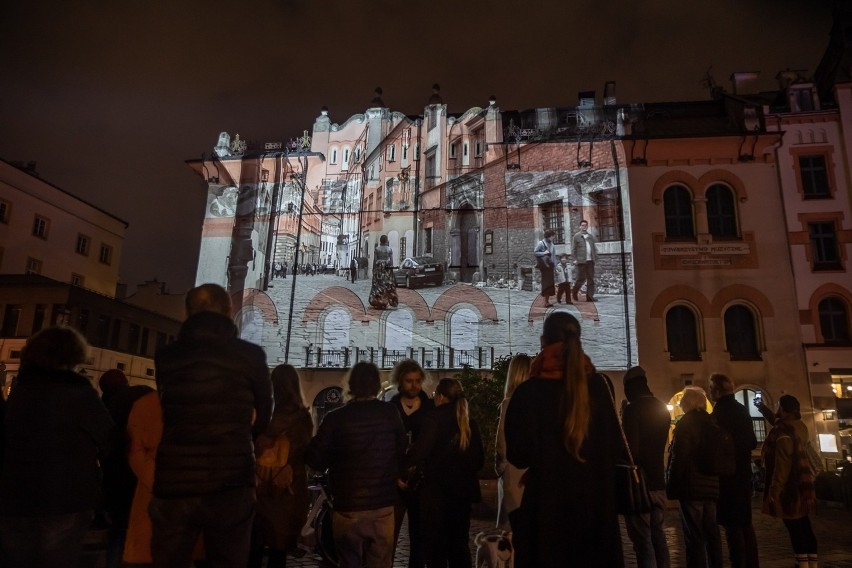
[82, 245]
[814, 177]
[834, 321]
[682, 334]
[40, 226]
[824, 246]
[105, 256]
[677, 202]
[741, 334]
[721, 212]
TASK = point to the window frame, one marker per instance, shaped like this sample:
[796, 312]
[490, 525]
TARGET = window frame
[818, 246]
[41, 226]
[840, 315]
[5, 211]
[33, 266]
[108, 249]
[87, 240]
[734, 329]
[679, 215]
[606, 214]
[721, 218]
[677, 334]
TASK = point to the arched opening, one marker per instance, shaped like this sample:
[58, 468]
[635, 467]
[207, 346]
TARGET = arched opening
[677, 202]
[326, 400]
[464, 335]
[682, 334]
[741, 334]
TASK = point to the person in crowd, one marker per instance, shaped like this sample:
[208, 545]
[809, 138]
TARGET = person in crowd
[283, 499]
[412, 404]
[449, 453]
[284, 271]
[562, 425]
[353, 269]
[646, 422]
[216, 395]
[734, 508]
[361, 445]
[563, 277]
[790, 493]
[57, 431]
[585, 255]
[383, 290]
[545, 253]
[695, 488]
[119, 481]
[509, 488]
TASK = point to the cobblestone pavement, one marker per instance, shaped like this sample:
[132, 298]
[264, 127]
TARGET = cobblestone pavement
[833, 528]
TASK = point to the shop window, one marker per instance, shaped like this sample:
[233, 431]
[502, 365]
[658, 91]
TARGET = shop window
[677, 202]
[834, 321]
[814, 177]
[824, 246]
[553, 218]
[721, 212]
[682, 334]
[741, 334]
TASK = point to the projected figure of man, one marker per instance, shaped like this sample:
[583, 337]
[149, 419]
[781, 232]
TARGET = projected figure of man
[585, 255]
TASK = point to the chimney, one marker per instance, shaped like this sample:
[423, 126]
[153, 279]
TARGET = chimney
[745, 82]
[609, 93]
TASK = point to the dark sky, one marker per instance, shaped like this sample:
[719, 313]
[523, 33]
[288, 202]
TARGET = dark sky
[110, 96]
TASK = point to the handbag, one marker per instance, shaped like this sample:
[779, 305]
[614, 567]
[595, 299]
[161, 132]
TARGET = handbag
[631, 491]
[543, 262]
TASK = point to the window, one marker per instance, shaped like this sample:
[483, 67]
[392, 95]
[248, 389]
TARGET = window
[721, 213]
[402, 250]
[432, 113]
[746, 398]
[824, 246]
[741, 334]
[102, 331]
[357, 154]
[133, 335]
[814, 177]
[453, 150]
[427, 241]
[334, 155]
[143, 345]
[82, 245]
[682, 334]
[5, 210]
[116, 334]
[76, 279]
[345, 164]
[105, 256]
[834, 321]
[161, 339]
[41, 225]
[33, 266]
[677, 202]
[11, 316]
[552, 217]
[477, 149]
[607, 213]
[405, 151]
[60, 314]
[391, 153]
[38, 317]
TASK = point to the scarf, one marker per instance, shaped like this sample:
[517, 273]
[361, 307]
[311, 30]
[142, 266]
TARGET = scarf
[550, 363]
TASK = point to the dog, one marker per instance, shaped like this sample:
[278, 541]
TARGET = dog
[494, 550]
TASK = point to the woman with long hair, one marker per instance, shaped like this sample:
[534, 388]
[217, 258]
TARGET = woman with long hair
[383, 290]
[450, 454]
[509, 489]
[790, 494]
[282, 488]
[561, 425]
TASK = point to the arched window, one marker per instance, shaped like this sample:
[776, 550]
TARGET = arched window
[682, 334]
[746, 398]
[464, 336]
[741, 334]
[834, 320]
[677, 202]
[721, 212]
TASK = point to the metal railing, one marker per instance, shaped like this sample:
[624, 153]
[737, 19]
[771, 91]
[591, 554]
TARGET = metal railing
[428, 357]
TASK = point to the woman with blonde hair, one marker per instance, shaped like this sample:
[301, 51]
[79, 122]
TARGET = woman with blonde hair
[561, 425]
[509, 490]
[449, 452]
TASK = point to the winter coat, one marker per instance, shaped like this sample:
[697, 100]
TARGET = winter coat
[646, 422]
[509, 487]
[144, 429]
[210, 384]
[448, 471]
[790, 492]
[362, 445]
[685, 480]
[282, 511]
[734, 506]
[569, 505]
[56, 432]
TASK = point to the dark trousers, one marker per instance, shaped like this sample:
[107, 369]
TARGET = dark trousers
[802, 536]
[225, 520]
[446, 528]
[701, 534]
[564, 289]
[409, 501]
[585, 273]
[46, 541]
[742, 546]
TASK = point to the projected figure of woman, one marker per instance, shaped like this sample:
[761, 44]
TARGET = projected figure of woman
[383, 291]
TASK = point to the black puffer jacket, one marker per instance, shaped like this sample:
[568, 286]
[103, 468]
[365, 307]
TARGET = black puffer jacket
[735, 490]
[362, 444]
[57, 429]
[685, 481]
[210, 382]
[646, 423]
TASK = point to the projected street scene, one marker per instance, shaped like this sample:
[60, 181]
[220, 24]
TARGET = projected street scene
[448, 248]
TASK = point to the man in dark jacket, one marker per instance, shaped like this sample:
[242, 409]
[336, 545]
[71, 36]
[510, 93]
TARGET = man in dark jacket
[734, 508]
[696, 490]
[362, 446]
[213, 386]
[646, 424]
[412, 404]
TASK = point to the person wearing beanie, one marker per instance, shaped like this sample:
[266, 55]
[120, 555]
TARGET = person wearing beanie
[111, 382]
[646, 422]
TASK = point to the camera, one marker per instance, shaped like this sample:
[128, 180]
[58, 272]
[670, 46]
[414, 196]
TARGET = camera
[758, 398]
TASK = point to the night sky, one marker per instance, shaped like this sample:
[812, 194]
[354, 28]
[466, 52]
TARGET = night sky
[110, 97]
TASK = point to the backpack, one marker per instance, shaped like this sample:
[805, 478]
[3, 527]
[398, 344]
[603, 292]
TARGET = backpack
[272, 467]
[717, 454]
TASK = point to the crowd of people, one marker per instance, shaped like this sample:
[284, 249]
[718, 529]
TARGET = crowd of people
[212, 467]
